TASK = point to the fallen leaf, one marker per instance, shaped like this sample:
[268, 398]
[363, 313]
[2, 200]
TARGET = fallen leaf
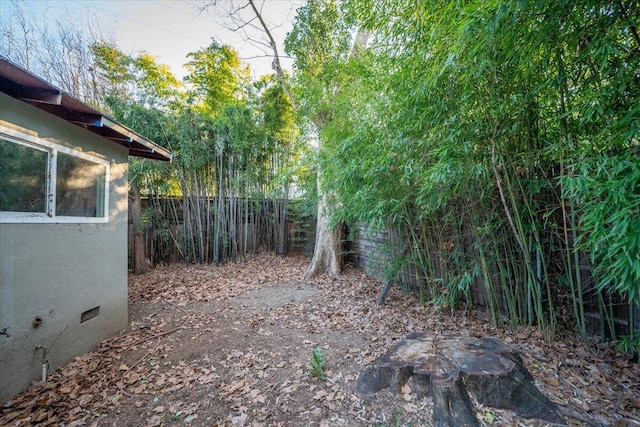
[405, 389]
[320, 394]
[154, 421]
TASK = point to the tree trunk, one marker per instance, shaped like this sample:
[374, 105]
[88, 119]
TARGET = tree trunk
[327, 247]
[449, 367]
[326, 254]
[140, 263]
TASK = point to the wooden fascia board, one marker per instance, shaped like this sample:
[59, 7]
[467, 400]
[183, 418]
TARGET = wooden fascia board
[147, 146]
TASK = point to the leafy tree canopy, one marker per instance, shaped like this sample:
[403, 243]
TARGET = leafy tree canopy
[217, 77]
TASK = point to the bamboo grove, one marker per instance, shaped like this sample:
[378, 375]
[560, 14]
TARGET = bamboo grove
[235, 145]
[499, 141]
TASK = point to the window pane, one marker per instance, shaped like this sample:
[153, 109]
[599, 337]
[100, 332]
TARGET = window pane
[80, 187]
[23, 178]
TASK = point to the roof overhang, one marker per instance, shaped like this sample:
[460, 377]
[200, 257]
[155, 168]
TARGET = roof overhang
[21, 84]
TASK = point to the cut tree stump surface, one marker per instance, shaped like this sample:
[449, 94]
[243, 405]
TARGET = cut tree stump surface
[449, 367]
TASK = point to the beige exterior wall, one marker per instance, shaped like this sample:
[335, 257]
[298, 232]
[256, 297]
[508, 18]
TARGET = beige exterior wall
[55, 272]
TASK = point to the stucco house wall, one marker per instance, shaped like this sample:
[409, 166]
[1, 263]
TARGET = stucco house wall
[52, 273]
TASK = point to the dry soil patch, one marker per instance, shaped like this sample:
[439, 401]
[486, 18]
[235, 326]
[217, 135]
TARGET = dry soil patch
[232, 345]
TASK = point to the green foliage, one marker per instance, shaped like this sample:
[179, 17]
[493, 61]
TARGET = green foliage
[173, 416]
[113, 63]
[606, 190]
[233, 145]
[156, 85]
[630, 344]
[502, 167]
[316, 366]
[319, 35]
[217, 77]
[319, 41]
[137, 81]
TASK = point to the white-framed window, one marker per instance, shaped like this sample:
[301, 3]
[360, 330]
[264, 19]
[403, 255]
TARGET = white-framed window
[45, 182]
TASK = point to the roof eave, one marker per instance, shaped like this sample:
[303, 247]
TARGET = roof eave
[26, 87]
[151, 149]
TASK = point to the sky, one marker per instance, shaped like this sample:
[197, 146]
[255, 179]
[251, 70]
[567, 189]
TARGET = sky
[170, 29]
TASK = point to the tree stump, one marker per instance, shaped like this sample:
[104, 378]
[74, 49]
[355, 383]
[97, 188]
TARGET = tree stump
[449, 367]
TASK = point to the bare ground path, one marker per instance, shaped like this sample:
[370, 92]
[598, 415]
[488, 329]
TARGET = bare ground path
[232, 345]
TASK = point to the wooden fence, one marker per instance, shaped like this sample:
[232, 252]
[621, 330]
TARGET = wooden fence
[372, 252]
[267, 227]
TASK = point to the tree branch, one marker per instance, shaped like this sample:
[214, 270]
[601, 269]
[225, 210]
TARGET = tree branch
[276, 57]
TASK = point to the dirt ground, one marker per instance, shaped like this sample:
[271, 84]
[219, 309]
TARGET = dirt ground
[232, 346]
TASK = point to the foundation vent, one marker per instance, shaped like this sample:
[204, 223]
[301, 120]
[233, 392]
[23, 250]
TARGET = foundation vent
[90, 314]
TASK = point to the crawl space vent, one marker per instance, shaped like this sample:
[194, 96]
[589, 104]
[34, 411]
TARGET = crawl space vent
[90, 314]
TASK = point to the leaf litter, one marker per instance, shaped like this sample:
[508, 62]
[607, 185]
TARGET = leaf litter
[231, 346]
